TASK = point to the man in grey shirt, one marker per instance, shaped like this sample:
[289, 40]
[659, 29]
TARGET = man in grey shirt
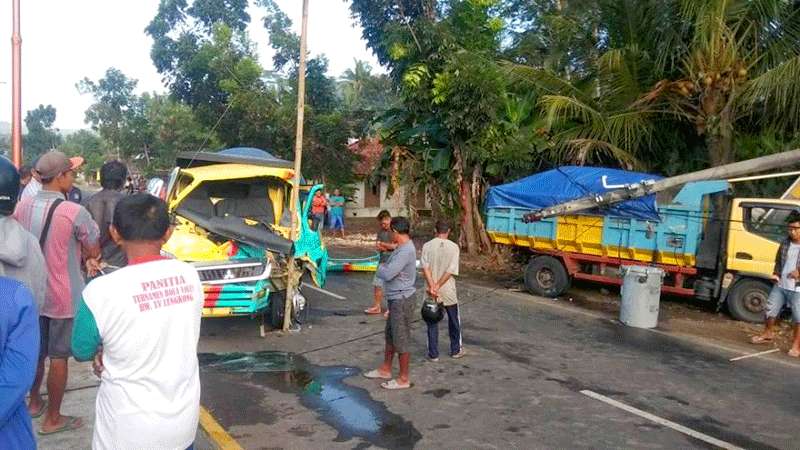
[399, 273]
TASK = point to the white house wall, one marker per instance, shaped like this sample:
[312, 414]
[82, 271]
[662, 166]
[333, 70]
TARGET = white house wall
[394, 204]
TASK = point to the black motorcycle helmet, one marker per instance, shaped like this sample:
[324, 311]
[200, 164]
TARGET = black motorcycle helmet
[9, 187]
[432, 312]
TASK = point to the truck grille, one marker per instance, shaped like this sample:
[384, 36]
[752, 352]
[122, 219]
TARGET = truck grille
[232, 272]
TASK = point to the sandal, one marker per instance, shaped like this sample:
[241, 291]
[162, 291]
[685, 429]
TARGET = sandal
[372, 311]
[794, 353]
[393, 385]
[72, 423]
[40, 412]
[761, 339]
[377, 375]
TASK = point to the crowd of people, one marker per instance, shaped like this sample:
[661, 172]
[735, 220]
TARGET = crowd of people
[139, 325]
[395, 281]
[328, 209]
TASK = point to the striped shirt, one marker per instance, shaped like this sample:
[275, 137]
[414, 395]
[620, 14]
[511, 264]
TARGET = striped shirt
[71, 231]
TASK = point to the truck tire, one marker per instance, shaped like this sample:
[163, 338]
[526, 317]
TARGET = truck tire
[546, 276]
[277, 305]
[748, 300]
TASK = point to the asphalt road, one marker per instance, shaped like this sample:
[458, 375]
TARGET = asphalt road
[538, 375]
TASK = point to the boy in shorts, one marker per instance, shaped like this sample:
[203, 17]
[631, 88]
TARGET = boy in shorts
[385, 246]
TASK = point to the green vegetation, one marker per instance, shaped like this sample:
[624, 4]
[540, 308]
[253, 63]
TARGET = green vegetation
[41, 136]
[478, 92]
[495, 89]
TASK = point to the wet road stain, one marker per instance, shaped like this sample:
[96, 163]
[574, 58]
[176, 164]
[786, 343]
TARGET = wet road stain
[573, 384]
[719, 430]
[438, 393]
[350, 410]
[677, 400]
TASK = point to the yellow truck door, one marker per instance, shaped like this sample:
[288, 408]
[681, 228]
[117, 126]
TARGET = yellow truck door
[757, 227]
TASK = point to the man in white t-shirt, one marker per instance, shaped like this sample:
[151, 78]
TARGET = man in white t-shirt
[141, 325]
[440, 266]
[786, 290]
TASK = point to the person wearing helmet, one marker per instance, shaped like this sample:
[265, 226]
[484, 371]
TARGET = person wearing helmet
[22, 281]
[440, 266]
[20, 256]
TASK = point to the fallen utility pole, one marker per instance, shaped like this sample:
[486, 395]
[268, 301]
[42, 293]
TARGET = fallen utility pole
[291, 284]
[646, 187]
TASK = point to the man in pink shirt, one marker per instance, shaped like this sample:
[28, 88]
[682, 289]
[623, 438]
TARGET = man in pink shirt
[68, 236]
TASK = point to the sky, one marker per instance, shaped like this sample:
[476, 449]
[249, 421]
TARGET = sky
[65, 41]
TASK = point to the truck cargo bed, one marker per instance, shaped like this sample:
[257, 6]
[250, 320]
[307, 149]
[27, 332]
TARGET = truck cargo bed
[673, 240]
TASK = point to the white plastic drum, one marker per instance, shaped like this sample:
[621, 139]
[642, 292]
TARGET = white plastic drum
[641, 294]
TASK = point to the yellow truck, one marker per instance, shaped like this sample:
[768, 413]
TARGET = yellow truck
[710, 245]
[232, 223]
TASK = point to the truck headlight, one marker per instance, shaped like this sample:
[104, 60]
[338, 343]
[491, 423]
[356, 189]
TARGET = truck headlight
[299, 302]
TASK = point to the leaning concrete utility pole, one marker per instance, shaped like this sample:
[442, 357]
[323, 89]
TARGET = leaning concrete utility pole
[737, 169]
[292, 285]
[16, 89]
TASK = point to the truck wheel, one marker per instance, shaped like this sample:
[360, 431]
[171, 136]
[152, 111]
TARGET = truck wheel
[277, 305]
[546, 276]
[748, 300]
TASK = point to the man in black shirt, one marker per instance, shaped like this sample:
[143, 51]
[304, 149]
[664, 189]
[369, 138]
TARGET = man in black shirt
[101, 206]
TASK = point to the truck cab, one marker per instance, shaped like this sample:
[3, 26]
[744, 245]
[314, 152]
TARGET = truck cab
[755, 230]
[232, 222]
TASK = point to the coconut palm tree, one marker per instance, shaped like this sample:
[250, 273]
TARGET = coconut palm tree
[740, 66]
[720, 65]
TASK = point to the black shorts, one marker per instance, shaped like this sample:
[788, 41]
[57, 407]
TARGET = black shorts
[55, 338]
[398, 327]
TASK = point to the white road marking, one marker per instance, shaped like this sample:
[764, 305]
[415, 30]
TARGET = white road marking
[753, 355]
[323, 291]
[679, 336]
[661, 421]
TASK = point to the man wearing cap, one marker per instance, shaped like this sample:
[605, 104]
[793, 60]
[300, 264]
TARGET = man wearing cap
[68, 236]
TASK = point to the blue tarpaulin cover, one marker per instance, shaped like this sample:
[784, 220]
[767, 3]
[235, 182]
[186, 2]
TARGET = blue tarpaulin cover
[569, 183]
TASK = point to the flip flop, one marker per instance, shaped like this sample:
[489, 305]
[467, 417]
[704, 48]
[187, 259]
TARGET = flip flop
[72, 423]
[760, 340]
[372, 311]
[794, 353]
[41, 410]
[376, 375]
[393, 385]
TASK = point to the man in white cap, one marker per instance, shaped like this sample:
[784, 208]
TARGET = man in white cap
[68, 236]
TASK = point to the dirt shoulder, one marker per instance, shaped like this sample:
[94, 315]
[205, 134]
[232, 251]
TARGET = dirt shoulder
[677, 314]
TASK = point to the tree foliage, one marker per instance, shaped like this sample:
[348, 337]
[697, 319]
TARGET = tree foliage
[496, 89]
[41, 136]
